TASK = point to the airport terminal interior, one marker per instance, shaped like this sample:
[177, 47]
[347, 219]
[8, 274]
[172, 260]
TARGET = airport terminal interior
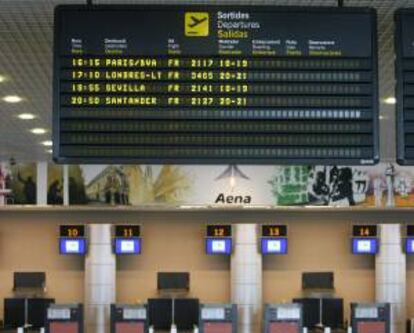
[207, 166]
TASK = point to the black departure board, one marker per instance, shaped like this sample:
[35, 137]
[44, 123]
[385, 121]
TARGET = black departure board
[404, 46]
[215, 84]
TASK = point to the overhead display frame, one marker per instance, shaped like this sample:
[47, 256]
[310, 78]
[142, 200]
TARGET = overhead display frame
[215, 84]
[404, 47]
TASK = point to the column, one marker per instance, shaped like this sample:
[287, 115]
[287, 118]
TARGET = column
[100, 271]
[246, 278]
[41, 179]
[390, 275]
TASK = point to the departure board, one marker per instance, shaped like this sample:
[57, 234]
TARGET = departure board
[404, 46]
[215, 84]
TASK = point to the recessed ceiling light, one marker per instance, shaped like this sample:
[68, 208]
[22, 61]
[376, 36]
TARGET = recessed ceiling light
[390, 100]
[12, 99]
[38, 130]
[47, 143]
[2, 78]
[26, 116]
[49, 151]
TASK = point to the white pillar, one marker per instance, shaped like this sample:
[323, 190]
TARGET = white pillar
[390, 275]
[41, 179]
[100, 270]
[246, 278]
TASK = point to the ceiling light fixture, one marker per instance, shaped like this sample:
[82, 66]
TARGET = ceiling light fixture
[47, 143]
[390, 100]
[49, 151]
[2, 78]
[12, 99]
[26, 116]
[38, 130]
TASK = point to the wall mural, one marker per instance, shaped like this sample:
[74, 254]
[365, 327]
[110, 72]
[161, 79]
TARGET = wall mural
[127, 184]
[18, 183]
[384, 185]
[54, 184]
[378, 186]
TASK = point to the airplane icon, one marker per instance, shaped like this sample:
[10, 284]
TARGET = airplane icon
[196, 21]
[196, 24]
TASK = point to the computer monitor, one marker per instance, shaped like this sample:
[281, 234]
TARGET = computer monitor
[409, 245]
[14, 313]
[160, 313]
[173, 281]
[277, 245]
[15, 308]
[318, 280]
[219, 245]
[186, 313]
[36, 311]
[29, 280]
[72, 246]
[362, 245]
[333, 312]
[311, 311]
[129, 246]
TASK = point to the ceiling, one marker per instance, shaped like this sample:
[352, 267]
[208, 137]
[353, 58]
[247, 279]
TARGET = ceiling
[26, 34]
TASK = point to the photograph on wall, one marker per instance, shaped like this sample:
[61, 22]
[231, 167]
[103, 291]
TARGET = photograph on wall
[77, 194]
[127, 184]
[18, 183]
[5, 185]
[383, 185]
[54, 184]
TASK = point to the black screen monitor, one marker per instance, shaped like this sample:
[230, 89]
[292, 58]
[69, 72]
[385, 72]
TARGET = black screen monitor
[173, 281]
[159, 313]
[13, 313]
[29, 280]
[37, 309]
[311, 311]
[318, 280]
[333, 312]
[186, 313]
